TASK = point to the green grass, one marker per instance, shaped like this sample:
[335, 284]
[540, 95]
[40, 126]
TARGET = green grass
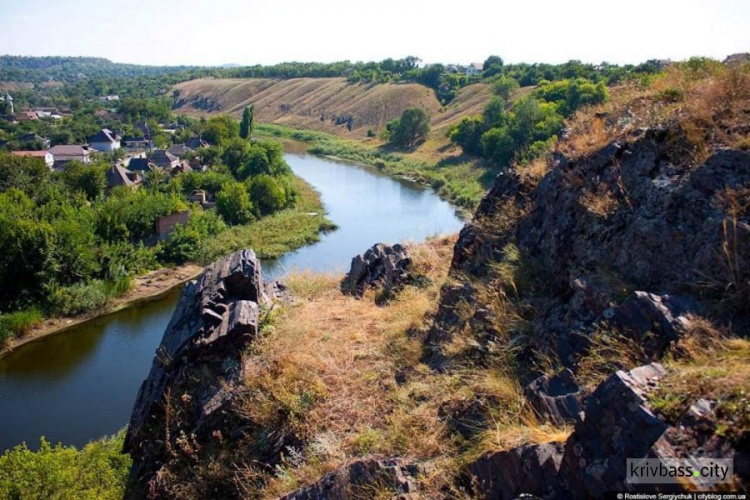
[458, 180]
[18, 324]
[98, 471]
[276, 234]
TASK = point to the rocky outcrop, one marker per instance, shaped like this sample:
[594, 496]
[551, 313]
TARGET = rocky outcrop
[618, 424]
[368, 478]
[198, 367]
[382, 265]
[631, 238]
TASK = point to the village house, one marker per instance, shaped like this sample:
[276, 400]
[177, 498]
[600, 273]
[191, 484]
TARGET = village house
[119, 176]
[196, 143]
[179, 150]
[140, 165]
[163, 159]
[136, 143]
[105, 141]
[474, 69]
[64, 153]
[49, 160]
[25, 116]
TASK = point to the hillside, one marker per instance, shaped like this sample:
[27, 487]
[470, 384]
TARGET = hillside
[325, 104]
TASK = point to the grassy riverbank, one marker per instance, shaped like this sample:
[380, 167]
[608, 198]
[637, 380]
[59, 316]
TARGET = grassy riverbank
[458, 179]
[269, 236]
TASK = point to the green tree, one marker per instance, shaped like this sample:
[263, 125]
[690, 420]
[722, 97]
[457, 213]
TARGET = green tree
[246, 126]
[504, 87]
[413, 126]
[468, 135]
[234, 205]
[267, 194]
[493, 65]
[88, 179]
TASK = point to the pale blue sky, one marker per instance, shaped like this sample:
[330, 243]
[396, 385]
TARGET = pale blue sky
[269, 31]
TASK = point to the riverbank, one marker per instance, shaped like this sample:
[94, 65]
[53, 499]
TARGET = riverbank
[149, 287]
[270, 237]
[455, 178]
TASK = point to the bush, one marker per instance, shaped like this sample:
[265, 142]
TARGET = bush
[98, 471]
[18, 324]
[79, 298]
[267, 194]
[233, 204]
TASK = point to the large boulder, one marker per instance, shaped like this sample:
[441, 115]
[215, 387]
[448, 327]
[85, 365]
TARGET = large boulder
[366, 478]
[198, 366]
[382, 265]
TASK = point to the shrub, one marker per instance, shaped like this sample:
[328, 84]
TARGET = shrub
[79, 298]
[267, 194]
[99, 471]
[671, 95]
[233, 204]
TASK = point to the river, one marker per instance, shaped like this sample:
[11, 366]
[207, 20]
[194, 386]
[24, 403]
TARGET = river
[81, 384]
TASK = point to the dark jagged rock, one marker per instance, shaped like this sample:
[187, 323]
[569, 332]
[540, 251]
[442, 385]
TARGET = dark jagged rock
[633, 216]
[505, 475]
[557, 399]
[198, 365]
[382, 265]
[646, 313]
[363, 479]
[618, 424]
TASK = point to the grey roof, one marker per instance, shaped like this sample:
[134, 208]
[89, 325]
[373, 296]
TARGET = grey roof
[162, 158]
[68, 150]
[179, 149]
[196, 142]
[118, 176]
[139, 165]
[105, 135]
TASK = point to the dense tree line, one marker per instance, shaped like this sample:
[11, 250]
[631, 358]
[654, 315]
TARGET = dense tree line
[527, 128]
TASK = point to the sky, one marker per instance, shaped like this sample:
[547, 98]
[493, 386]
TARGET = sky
[216, 32]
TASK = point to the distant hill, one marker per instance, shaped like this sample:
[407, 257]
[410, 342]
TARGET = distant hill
[326, 104]
[70, 69]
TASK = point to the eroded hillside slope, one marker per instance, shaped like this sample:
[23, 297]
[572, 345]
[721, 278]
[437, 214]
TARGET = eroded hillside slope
[326, 104]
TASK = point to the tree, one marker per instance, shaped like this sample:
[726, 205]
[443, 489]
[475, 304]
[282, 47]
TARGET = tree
[236, 154]
[246, 126]
[233, 204]
[90, 180]
[504, 87]
[468, 135]
[267, 194]
[492, 66]
[494, 113]
[413, 125]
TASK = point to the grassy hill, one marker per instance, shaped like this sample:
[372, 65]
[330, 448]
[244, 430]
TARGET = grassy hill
[325, 104]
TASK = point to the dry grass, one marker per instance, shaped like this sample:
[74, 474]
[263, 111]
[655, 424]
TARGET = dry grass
[706, 102]
[346, 374]
[720, 374]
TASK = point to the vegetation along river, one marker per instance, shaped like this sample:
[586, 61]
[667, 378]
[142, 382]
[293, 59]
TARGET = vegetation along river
[80, 384]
